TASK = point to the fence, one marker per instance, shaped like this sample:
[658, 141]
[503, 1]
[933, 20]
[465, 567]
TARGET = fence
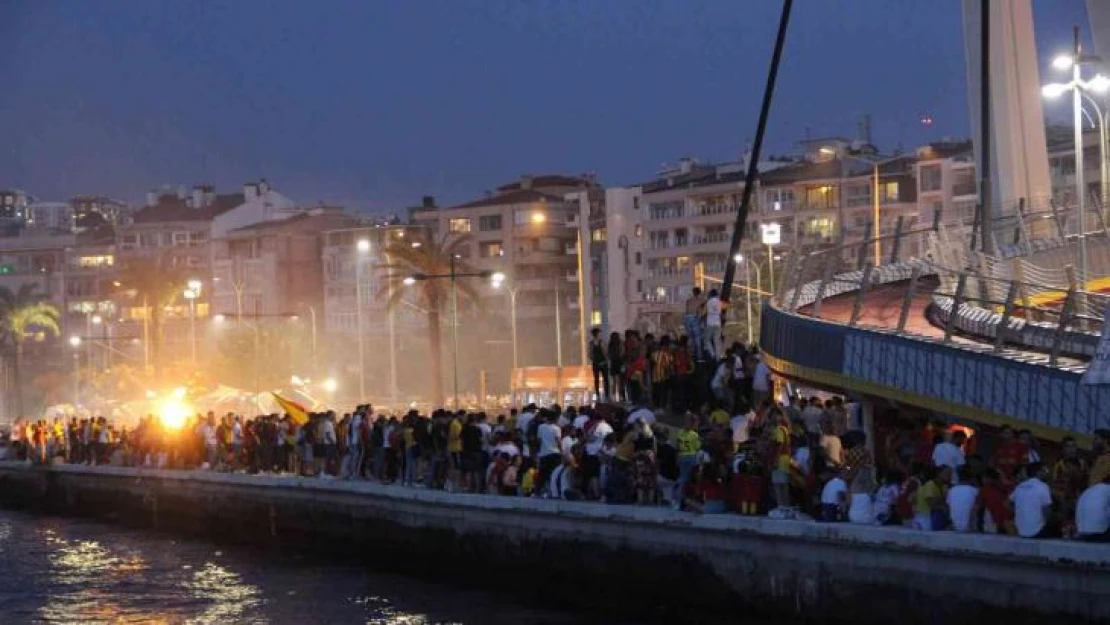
[1011, 304]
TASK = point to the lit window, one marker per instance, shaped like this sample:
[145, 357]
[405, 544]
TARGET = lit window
[96, 261]
[639, 231]
[459, 226]
[595, 318]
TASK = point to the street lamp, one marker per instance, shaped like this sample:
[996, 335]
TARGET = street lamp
[498, 280]
[1098, 84]
[363, 247]
[191, 295]
[876, 217]
[739, 258]
[453, 276]
[75, 343]
[1099, 119]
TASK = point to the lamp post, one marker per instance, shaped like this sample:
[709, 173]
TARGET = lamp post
[97, 320]
[192, 293]
[1077, 86]
[453, 275]
[739, 258]
[876, 203]
[75, 343]
[1099, 119]
[497, 284]
[363, 247]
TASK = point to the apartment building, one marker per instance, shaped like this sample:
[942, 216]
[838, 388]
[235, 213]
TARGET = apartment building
[274, 267]
[13, 209]
[343, 263]
[818, 200]
[78, 214]
[946, 180]
[529, 230]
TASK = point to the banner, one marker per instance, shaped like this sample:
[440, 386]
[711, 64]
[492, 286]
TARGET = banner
[296, 412]
[1098, 372]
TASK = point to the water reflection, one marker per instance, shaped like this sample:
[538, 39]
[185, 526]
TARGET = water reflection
[73, 571]
[229, 597]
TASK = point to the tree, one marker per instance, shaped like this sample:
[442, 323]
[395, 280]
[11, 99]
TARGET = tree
[430, 258]
[24, 315]
[155, 284]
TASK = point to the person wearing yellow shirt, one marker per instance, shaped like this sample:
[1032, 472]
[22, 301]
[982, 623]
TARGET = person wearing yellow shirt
[719, 416]
[929, 508]
[689, 444]
[454, 450]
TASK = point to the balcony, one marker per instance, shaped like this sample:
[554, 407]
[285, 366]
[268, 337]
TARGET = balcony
[965, 188]
[571, 250]
[667, 272]
[712, 208]
[572, 277]
[712, 237]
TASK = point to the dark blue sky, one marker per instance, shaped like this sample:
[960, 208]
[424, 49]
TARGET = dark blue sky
[375, 103]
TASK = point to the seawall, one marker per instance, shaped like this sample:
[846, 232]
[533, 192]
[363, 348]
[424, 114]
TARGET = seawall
[641, 562]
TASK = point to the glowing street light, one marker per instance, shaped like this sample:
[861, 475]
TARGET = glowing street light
[409, 281]
[329, 385]
[1077, 86]
[538, 217]
[363, 245]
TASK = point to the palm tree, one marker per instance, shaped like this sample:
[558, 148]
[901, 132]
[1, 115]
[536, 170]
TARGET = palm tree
[24, 315]
[432, 258]
[155, 284]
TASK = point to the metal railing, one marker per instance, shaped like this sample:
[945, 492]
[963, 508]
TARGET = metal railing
[933, 288]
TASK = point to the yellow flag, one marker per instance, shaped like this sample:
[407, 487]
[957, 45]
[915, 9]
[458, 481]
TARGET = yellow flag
[296, 412]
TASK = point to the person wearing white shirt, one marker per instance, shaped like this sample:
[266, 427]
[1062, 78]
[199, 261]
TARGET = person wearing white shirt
[950, 454]
[524, 419]
[962, 501]
[834, 499]
[642, 414]
[761, 381]
[507, 447]
[1032, 501]
[550, 454]
[719, 384]
[861, 509]
[713, 309]
[594, 433]
[833, 448]
[811, 415]
[580, 421]
[1092, 513]
[740, 425]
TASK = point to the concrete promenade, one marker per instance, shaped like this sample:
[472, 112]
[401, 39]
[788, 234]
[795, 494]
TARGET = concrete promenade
[698, 567]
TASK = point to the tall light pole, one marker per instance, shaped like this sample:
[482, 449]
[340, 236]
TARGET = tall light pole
[740, 258]
[1098, 84]
[363, 247]
[75, 343]
[192, 292]
[498, 282]
[453, 275]
[1099, 120]
[97, 320]
[876, 200]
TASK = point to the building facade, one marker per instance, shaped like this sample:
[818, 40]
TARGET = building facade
[275, 267]
[529, 230]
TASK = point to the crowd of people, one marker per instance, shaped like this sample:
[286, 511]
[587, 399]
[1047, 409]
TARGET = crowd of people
[796, 460]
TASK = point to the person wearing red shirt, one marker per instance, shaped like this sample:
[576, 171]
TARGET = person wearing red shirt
[998, 516]
[1010, 456]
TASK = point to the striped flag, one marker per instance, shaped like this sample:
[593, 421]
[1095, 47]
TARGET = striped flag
[296, 412]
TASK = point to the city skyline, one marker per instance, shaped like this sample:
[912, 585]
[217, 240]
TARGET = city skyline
[115, 102]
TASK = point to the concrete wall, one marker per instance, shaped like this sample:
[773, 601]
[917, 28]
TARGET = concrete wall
[649, 563]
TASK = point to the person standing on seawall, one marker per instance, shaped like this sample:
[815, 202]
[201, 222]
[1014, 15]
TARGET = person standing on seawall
[599, 360]
[713, 308]
[692, 320]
